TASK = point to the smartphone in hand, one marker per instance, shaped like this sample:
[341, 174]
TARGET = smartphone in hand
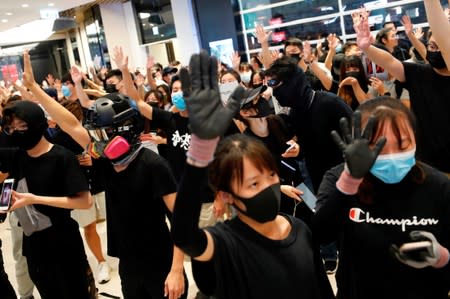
[415, 246]
[5, 199]
[308, 197]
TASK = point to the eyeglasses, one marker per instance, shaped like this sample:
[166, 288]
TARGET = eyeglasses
[273, 82]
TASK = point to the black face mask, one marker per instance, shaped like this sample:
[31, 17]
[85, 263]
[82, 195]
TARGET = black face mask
[436, 60]
[352, 74]
[257, 85]
[153, 104]
[27, 139]
[295, 57]
[262, 108]
[110, 88]
[264, 206]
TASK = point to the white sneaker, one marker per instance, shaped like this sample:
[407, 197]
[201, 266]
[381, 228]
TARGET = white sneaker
[103, 270]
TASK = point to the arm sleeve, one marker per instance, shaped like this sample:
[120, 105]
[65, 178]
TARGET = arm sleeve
[332, 208]
[185, 231]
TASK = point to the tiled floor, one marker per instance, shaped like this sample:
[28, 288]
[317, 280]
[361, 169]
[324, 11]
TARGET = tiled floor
[112, 287]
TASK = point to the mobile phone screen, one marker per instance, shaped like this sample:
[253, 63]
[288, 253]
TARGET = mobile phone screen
[5, 199]
[308, 197]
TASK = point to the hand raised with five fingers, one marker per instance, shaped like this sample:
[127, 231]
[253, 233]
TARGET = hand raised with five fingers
[361, 26]
[358, 154]
[208, 118]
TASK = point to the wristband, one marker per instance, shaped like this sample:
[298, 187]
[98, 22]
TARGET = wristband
[348, 184]
[201, 151]
[443, 259]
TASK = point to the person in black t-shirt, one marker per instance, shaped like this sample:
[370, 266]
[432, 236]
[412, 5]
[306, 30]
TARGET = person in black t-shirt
[389, 212]
[140, 190]
[428, 86]
[52, 183]
[259, 253]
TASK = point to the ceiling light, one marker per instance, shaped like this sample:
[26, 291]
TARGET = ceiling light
[4, 21]
[51, 4]
[25, 5]
[144, 15]
[9, 13]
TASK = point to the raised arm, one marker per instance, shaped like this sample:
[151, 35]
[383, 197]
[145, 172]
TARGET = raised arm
[65, 120]
[380, 57]
[332, 44]
[208, 119]
[122, 62]
[77, 77]
[320, 73]
[440, 27]
[263, 39]
[417, 44]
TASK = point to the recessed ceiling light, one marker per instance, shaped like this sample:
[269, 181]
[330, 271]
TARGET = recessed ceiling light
[8, 13]
[51, 4]
[4, 21]
[25, 5]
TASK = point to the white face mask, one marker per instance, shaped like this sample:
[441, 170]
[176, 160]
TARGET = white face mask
[226, 89]
[245, 77]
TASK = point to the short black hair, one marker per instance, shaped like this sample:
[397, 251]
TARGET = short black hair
[114, 72]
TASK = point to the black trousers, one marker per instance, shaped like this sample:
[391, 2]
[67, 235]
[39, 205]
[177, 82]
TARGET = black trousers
[6, 289]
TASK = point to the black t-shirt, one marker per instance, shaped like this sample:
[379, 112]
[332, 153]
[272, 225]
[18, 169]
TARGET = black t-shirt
[136, 211]
[249, 265]
[93, 173]
[55, 173]
[178, 138]
[429, 95]
[366, 231]
[313, 127]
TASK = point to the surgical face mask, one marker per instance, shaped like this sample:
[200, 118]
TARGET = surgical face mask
[339, 48]
[436, 60]
[178, 101]
[264, 206]
[226, 89]
[392, 168]
[110, 88]
[245, 77]
[66, 91]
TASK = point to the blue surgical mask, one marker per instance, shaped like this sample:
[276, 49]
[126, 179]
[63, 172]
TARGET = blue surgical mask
[178, 101]
[339, 48]
[66, 91]
[392, 168]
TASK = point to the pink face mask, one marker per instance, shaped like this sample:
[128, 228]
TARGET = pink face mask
[116, 148]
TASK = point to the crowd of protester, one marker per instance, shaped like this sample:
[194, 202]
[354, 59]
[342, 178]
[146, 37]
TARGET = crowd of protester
[219, 151]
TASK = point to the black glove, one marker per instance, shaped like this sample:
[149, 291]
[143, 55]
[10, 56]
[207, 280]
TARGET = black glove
[208, 118]
[358, 155]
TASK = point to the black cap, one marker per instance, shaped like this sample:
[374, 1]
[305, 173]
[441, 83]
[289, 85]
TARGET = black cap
[250, 95]
[169, 70]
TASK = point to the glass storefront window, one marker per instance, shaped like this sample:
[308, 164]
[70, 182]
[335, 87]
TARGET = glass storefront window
[155, 22]
[416, 11]
[289, 13]
[96, 38]
[305, 31]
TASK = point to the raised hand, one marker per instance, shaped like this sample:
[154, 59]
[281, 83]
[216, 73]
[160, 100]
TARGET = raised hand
[235, 60]
[358, 154]
[76, 74]
[361, 25]
[208, 118]
[307, 51]
[119, 57]
[28, 77]
[261, 34]
[333, 41]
